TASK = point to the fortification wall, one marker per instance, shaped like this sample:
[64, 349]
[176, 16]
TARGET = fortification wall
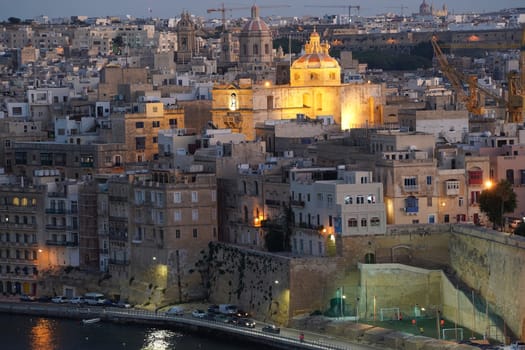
[491, 263]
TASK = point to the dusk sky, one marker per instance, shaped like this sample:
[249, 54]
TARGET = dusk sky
[26, 9]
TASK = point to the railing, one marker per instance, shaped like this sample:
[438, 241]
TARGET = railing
[118, 262]
[62, 243]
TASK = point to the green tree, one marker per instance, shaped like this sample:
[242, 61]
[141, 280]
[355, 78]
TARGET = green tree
[496, 201]
[118, 43]
[278, 232]
[14, 20]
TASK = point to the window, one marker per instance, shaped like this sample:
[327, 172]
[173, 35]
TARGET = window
[352, 222]
[155, 139]
[475, 177]
[140, 143]
[510, 176]
[177, 215]
[195, 233]
[374, 221]
[410, 183]
[155, 124]
[348, 199]
[359, 199]
[474, 197]
[431, 219]
[461, 201]
[522, 177]
[177, 233]
[371, 199]
[447, 218]
[139, 125]
[363, 222]
[329, 200]
[411, 204]
[213, 195]
[429, 201]
[195, 214]
[194, 196]
[177, 198]
[173, 123]
[429, 180]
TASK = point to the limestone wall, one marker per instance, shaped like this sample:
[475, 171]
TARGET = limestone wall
[492, 264]
[396, 285]
[263, 283]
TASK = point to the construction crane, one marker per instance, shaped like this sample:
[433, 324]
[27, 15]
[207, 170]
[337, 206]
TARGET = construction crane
[401, 7]
[349, 7]
[513, 104]
[223, 10]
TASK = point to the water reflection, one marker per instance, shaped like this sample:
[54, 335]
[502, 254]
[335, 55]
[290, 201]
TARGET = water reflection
[42, 335]
[160, 339]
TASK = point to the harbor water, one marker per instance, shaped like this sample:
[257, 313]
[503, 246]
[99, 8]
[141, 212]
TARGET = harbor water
[21, 332]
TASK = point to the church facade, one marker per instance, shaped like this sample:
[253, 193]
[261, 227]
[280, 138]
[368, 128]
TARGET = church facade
[315, 91]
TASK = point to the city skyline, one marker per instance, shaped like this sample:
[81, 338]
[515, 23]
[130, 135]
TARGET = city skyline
[27, 9]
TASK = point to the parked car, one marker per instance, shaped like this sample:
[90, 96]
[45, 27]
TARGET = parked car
[198, 313]
[175, 311]
[77, 300]
[213, 309]
[271, 329]
[44, 299]
[25, 297]
[95, 299]
[122, 304]
[59, 299]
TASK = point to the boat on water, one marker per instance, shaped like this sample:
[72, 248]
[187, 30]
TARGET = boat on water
[90, 320]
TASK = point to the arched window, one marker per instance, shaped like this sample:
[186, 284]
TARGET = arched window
[255, 49]
[256, 185]
[24, 202]
[16, 201]
[370, 258]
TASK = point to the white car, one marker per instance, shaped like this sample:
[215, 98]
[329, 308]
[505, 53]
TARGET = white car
[59, 299]
[77, 300]
[198, 313]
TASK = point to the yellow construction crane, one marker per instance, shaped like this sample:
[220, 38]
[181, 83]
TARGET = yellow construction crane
[514, 101]
[223, 10]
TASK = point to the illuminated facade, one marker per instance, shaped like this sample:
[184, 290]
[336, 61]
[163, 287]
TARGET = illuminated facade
[315, 90]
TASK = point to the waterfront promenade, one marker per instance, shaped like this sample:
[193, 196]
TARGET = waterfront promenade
[287, 339]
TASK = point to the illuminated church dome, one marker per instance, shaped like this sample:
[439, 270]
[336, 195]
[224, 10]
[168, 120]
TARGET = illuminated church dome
[316, 66]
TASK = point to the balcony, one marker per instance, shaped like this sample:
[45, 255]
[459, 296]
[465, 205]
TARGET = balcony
[297, 203]
[273, 202]
[62, 243]
[411, 188]
[55, 210]
[55, 227]
[118, 262]
[411, 210]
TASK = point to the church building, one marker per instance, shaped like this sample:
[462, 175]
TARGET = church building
[315, 91]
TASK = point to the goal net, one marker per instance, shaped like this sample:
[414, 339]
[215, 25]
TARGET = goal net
[452, 334]
[389, 314]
